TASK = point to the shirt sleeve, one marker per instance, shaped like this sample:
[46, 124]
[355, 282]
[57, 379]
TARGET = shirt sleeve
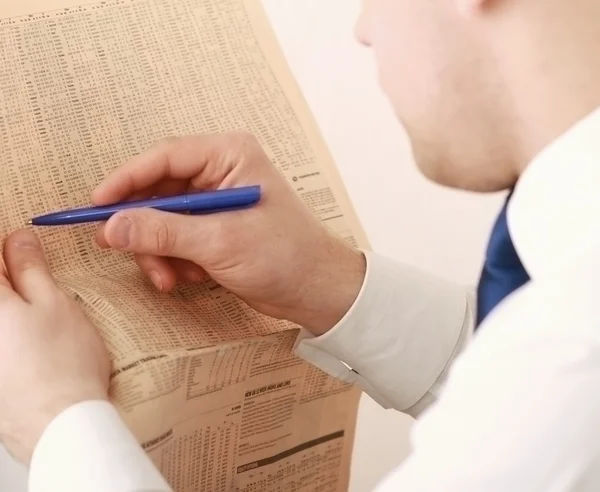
[521, 405]
[89, 447]
[399, 338]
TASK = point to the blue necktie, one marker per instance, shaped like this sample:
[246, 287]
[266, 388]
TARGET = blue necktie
[502, 272]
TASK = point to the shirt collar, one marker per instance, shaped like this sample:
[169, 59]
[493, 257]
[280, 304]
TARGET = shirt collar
[554, 212]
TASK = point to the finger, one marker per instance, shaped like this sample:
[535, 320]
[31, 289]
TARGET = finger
[209, 159]
[158, 270]
[6, 289]
[153, 232]
[187, 271]
[164, 188]
[164, 273]
[27, 267]
[100, 238]
[171, 187]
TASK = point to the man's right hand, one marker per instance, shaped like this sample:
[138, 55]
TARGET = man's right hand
[276, 256]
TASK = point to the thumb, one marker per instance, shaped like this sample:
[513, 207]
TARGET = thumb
[27, 266]
[153, 232]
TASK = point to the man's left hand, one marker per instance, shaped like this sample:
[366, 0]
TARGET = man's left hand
[51, 355]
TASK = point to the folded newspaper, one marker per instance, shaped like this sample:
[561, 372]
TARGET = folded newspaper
[212, 389]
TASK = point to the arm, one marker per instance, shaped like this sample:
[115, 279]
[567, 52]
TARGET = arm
[410, 313]
[400, 337]
[88, 447]
[54, 378]
[521, 406]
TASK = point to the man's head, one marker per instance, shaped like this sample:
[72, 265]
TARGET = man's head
[482, 85]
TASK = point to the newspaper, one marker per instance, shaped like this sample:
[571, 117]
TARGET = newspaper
[211, 389]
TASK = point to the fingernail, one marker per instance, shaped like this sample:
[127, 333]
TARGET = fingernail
[192, 276]
[156, 279]
[121, 233]
[26, 240]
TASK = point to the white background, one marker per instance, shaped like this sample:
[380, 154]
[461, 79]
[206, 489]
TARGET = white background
[405, 217]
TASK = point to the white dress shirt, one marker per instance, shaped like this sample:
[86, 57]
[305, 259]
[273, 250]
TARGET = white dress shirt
[516, 408]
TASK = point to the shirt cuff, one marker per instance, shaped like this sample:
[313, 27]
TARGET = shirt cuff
[89, 447]
[398, 338]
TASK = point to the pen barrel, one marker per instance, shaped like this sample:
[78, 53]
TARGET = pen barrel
[223, 200]
[194, 203]
[102, 214]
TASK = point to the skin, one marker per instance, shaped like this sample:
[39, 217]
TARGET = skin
[52, 356]
[481, 86]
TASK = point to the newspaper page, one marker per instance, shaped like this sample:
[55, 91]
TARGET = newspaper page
[210, 388]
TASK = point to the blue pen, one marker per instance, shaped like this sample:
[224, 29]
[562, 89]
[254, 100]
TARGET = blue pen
[193, 203]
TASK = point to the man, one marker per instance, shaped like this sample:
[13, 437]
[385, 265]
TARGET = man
[495, 95]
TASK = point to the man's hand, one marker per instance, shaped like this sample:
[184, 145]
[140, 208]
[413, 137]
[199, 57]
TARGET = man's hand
[51, 356]
[276, 256]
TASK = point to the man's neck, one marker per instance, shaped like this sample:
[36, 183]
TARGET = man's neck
[552, 70]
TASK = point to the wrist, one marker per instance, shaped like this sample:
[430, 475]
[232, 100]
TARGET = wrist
[331, 288]
[22, 442]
